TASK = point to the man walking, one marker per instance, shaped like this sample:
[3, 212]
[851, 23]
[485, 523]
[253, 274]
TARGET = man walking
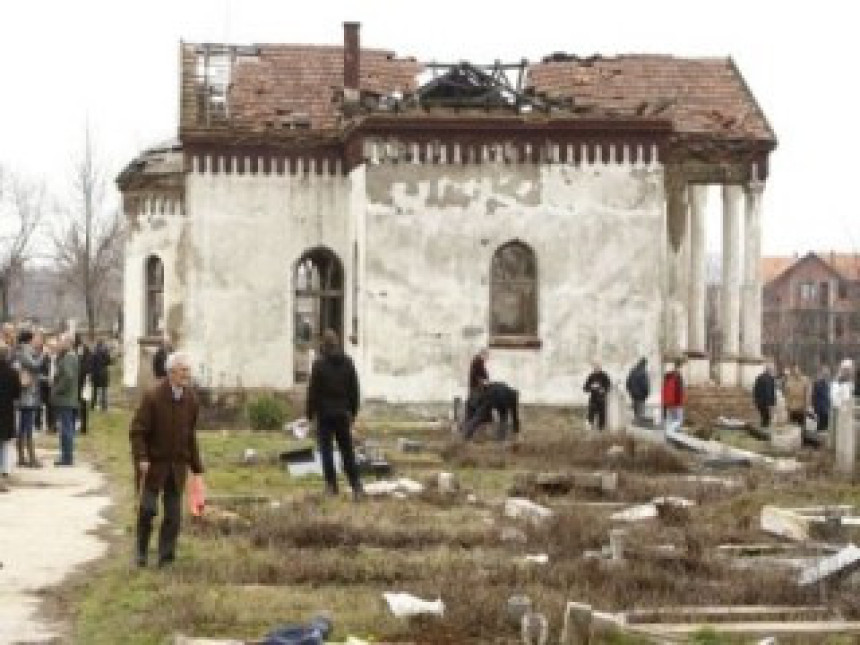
[764, 394]
[639, 388]
[597, 386]
[163, 447]
[333, 400]
[64, 398]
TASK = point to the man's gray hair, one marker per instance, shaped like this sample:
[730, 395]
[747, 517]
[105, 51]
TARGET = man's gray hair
[177, 359]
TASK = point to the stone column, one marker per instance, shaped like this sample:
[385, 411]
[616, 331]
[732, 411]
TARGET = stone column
[731, 300]
[676, 229]
[751, 358]
[698, 365]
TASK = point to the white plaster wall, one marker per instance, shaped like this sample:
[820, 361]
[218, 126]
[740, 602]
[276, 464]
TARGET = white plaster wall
[431, 231]
[249, 231]
[152, 231]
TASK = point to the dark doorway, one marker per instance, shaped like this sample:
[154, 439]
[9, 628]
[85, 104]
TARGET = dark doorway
[318, 280]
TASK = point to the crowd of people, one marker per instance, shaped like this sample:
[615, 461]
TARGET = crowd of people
[47, 383]
[806, 403]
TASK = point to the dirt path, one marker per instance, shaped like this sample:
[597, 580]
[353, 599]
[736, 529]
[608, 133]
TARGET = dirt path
[47, 525]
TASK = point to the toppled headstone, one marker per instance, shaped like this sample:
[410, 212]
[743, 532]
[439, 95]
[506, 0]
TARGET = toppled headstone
[522, 508]
[650, 510]
[842, 562]
[447, 483]
[514, 535]
[409, 445]
[577, 626]
[397, 487]
[517, 607]
[403, 605]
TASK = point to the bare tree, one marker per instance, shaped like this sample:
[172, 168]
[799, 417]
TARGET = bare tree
[22, 205]
[88, 247]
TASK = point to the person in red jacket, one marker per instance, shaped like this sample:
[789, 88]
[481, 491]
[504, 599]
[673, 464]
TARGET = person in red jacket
[673, 397]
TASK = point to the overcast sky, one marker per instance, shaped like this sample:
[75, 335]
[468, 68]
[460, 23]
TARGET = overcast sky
[114, 64]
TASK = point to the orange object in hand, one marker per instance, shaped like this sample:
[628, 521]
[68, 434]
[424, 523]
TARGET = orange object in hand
[196, 495]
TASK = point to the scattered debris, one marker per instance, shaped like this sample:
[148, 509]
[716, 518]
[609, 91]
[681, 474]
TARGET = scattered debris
[518, 606]
[514, 535]
[731, 423]
[577, 626]
[447, 483]
[539, 558]
[300, 428]
[403, 486]
[842, 562]
[409, 445]
[250, 457]
[798, 523]
[651, 510]
[313, 633]
[521, 508]
[403, 605]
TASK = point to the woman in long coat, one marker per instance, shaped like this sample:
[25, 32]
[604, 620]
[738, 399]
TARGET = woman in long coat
[10, 390]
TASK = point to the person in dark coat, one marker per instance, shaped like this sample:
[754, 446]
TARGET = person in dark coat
[158, 361]
[597, 387]
[764, 394]
[478, 379]
[65, 398]
[10, 391]
[163, 436]
[100, 380]
[333, 402]
[85, 370]
[639, 387]
[502, 398]
[821, 399]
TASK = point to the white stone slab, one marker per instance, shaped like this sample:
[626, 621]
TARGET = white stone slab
[826, 567]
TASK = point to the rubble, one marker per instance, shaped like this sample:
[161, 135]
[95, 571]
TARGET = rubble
[521, 508]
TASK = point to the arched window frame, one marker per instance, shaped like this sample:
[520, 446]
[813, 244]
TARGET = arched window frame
[524, 288]
[153, 276]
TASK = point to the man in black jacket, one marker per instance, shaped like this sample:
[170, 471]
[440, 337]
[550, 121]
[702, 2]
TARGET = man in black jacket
[764, 394]
[333, 400]
[597, 386]
[639, 387]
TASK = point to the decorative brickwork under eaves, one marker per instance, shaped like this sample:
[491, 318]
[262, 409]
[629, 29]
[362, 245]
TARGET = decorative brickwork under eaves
[290, 100]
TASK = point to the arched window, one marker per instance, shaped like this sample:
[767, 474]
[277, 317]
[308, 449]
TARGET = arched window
[154, 296]
[513, 294]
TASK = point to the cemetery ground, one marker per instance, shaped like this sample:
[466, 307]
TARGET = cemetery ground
[272, 549]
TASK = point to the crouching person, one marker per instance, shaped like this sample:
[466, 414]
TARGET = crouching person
[164, 446]
[502, 399]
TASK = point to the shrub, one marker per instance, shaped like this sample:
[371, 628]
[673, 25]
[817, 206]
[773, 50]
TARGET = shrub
[267, 413]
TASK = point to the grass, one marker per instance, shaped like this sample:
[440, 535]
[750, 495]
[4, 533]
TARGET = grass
[294, 552]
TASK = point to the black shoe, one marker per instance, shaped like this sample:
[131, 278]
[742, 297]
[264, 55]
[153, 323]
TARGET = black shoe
[63, 463]
[331, 490]
[166, 560]
[358, 495]
[140, 560]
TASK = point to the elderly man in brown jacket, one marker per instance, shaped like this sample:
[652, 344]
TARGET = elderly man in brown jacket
[164, 445]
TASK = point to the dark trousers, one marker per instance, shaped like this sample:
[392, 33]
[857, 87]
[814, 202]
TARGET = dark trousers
[83, 412]
[797, 416]
[100, 397]
[169, 531]
[764, 413]
[597, 411]
[823, 417]
[336, 427]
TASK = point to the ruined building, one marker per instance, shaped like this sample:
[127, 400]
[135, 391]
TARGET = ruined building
[551, 210]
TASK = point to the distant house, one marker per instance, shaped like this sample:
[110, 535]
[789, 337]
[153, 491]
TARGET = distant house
[811, 309]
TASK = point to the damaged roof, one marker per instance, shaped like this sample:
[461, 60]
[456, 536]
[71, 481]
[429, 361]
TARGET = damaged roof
[283, 88]
[701, 96]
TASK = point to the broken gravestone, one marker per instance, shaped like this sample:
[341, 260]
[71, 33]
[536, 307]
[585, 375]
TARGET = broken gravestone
[522, 508]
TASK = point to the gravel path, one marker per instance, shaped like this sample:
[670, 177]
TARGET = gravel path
[47, 529]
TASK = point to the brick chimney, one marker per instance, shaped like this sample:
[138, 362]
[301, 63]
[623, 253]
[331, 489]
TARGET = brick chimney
[351, 56]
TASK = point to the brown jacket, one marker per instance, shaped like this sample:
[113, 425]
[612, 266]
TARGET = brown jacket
[796, 393]
[163, 432]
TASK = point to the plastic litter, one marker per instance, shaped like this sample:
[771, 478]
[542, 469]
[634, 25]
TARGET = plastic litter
[314, 633]
[404, 605]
